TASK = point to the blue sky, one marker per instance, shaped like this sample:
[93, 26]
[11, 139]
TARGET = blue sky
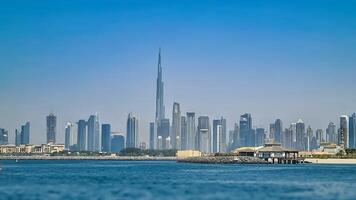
[274, 59]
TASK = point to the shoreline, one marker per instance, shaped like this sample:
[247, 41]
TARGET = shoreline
[331, 160]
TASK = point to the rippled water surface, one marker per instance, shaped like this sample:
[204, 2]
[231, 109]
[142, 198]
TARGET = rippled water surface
[171, 180]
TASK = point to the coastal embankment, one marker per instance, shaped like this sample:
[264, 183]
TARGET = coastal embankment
[224, 160]
[138, 158]
[330, 161]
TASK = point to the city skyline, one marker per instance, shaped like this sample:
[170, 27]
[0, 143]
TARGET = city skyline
[223, 67]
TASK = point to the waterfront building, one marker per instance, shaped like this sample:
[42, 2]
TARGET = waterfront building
[25, 133]
[278, 131]
[183, 133]
[331, 135]
[219, 135]
[152, 135]
[176, 127]
[117, 143]
[132, 131]
[260, 137]
[69, 136]
[204, 138]
[246, 130]
[93, 139]
[106, 137]
[82, 135]
[51, 120]
[163, 131]
[343, 132]
[191, 131]
[352, 131]
[300, 135]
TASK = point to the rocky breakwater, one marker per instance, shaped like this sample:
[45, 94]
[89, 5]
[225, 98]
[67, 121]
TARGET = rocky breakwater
[223, 160]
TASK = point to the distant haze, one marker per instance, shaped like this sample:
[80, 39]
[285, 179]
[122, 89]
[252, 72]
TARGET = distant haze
[275, 59]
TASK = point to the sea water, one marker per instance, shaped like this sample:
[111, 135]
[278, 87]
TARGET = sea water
[75, 179]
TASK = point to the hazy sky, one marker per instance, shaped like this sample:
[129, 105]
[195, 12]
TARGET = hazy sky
[274, 59]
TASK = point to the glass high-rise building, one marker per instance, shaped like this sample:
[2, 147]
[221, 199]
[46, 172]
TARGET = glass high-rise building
[278, 131]
[69, 136]
[191, 131]
[300, 135]
[4, 137]
[17, 137]
[260, 137]
[117, 143]
[352, 131]
[132, 131]
[219, 135]
[152, 135]
[82, 135]
[183, 133]
[204, 134]
[176, 127]
[331, 135]
[93, 140]
[344, 131]
[106, 137]
[25, 133]
[163, 131]
[51, 120]
[245, 130]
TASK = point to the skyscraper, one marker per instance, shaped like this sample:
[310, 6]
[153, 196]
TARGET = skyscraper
[260, 137]
[160, 110]
[51, 128]
[176, 127]
[82, 135]
[245, 130]
[236, 137]
[343, 131]
[309, 138]
[4, 137]
[163, 131]
[183, 133]
[152, 135]
[132, 131]
[25, 133]
[204, 138]
[117, 143]
[69, 136]
[319, 136]
[106, 137]
[17, 137]
[352, 131]
[219, 135]
[278, 131]
[191, 131]
[93, 133]
[288, 138]
[300, 135]
[331, 135]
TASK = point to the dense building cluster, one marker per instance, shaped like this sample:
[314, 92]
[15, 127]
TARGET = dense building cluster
[190, 132]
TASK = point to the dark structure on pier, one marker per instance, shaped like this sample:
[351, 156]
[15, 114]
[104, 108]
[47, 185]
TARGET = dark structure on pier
[275, 153]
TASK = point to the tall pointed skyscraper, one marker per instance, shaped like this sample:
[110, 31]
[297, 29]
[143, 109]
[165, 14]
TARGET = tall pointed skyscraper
[160, 113]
